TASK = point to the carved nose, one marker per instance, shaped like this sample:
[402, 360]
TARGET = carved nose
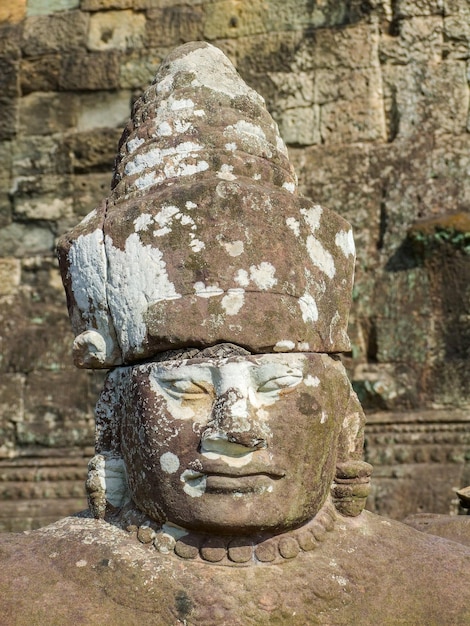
[232, 430]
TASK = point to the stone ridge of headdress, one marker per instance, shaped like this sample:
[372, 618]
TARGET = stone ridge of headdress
[204, 238]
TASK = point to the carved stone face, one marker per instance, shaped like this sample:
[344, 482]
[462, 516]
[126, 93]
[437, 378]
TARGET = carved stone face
[238, 444]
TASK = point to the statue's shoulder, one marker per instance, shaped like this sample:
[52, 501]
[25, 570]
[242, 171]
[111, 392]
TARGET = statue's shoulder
[73, 570]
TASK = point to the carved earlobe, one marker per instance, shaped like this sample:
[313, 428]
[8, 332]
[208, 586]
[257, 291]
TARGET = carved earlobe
[106, 485]
[351, 487]
[91, 349]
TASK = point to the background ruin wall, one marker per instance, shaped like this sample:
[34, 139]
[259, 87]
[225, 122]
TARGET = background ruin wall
[372, 99]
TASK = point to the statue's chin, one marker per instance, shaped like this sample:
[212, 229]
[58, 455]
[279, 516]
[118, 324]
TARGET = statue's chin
[241, 514]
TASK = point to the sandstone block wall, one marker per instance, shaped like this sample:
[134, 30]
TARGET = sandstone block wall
[373, 100]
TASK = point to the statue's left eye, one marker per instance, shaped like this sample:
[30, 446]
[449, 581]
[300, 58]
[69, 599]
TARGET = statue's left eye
[278, 383]
[184, 389]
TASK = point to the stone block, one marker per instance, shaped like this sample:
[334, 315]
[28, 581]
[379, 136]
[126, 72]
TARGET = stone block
[138, 69]
[88, 192]
[47, 113]
[116, 30]
[48, 7]
[10, 39]
[36, 155]
[350, 121]
[58, 409]
[89, 72]
[445, 87]
[8, 118]
[10, 275]
[57, 33]
[412, 8]
[104, 5]
[457, 37]
[93, 151]
[48, 207]
[40, 74]
[9, 78]
[417, 40]
[103, 110]
[12, 11]
[11, 401]
[175, 24]
[228, 19]
[299, 126]
[19, 240]
[354, 47]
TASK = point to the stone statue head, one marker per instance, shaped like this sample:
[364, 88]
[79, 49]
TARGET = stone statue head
[218, 296]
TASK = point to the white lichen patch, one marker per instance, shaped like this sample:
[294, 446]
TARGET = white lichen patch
[311, 381]
[285, 345]
[242, 278]
[345, 241]
[309, 308]
[169, 462]
[156, 156]
[133, 144]
[142, 222]
[251, 137]
[183, 103]
[215, 72]
[164, 129]
[207, 291]
[194, 483]
[89, 276]
[137, 276]
[233, 301]
[182, 127]
[324, 417]
[263, 275]
[320, 257]
[81, 563]
[231, 146]
[234, 248]
[294, 225]
[303, 346]
[196, 245]
[290, 187]
[312, 216]
[225, 172]
[190, 205]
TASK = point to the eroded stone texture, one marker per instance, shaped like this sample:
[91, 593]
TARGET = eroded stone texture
[358, 66]
[204, 238]
[228, 484]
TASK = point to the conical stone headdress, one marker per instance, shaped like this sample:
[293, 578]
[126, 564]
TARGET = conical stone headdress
[204, 238]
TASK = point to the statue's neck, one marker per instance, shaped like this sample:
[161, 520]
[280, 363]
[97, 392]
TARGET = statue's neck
[232, 550]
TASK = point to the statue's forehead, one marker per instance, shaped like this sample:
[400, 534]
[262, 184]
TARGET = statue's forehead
[303, 363]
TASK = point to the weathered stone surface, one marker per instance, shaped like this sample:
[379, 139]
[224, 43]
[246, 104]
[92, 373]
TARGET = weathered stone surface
[323, 585]
[40, 73]
[91, 151]
[49, 7]
[417, 51]
[169, 24]
[8, 118]
[103, 110]
[89, 72]
[12, 11]
[63, 32]
[47, 113]
[116, 30]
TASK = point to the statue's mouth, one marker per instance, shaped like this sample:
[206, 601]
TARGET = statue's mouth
[236, 480]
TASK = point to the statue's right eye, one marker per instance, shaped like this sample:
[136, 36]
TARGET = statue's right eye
[184, 389]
